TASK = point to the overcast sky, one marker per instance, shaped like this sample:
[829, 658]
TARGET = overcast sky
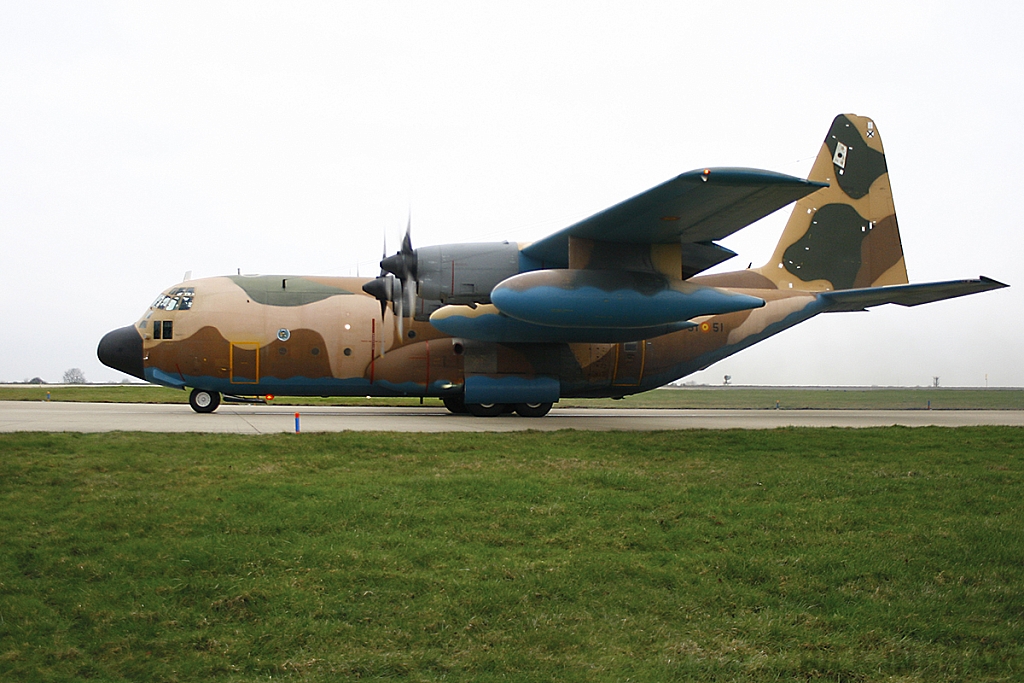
[142, 140]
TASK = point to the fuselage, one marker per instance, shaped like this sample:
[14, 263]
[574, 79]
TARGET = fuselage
[323, 336]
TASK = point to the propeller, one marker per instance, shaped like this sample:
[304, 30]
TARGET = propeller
[397, 280]
[403, 264]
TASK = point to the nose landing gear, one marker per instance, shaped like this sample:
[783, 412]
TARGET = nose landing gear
[203, 401]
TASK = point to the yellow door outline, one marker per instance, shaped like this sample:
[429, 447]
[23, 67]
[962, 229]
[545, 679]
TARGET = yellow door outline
[244, 346]
[628, 380]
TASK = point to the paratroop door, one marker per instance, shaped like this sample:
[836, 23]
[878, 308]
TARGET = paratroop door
[245, 363]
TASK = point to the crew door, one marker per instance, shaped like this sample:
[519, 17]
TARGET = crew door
[629, 364]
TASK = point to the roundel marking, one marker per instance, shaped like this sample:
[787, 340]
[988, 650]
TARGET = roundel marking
[283, 334]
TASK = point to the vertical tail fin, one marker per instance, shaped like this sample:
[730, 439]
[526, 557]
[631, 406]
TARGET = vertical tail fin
[844, 236]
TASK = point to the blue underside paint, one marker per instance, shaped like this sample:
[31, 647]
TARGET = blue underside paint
[620, 308]
[302, 386]
[483, 389]
[160, 377]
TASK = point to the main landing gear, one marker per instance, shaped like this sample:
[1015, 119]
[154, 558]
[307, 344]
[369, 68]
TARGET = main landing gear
[458, 405]
[203, 401]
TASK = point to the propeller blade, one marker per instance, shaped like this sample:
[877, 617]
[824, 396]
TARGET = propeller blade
[407, 240]
[400, 310]
[409, 290]
[404, 263]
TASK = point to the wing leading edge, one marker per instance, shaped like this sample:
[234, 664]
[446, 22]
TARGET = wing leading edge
[692, 209]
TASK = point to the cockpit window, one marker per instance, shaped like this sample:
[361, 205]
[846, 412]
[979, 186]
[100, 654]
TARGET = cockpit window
[179, 299]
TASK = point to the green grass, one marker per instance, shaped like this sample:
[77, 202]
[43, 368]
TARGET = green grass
[850, 555]
[789, 398]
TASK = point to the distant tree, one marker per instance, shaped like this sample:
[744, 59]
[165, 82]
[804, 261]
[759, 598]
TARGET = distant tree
[35, 380]
[74, 376]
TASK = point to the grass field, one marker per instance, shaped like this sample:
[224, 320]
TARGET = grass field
[789, 398]
[838, 555]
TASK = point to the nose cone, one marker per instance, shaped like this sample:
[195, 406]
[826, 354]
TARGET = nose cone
[121, 349]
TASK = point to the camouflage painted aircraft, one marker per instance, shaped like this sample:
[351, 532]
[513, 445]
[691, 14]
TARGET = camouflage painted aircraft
[610, 306]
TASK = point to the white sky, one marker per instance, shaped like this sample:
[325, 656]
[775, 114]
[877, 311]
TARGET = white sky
[142, 140]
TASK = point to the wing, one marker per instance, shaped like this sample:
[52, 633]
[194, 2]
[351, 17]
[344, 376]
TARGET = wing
[693, 209]
[905, 295]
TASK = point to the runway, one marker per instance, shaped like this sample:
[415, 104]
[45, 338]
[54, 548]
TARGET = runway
[258, 419]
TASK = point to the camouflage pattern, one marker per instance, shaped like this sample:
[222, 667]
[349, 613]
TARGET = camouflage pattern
[844, 236]
[293, 335]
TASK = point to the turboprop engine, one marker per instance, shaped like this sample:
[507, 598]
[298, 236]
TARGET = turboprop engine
[464, 273]
[446, 274]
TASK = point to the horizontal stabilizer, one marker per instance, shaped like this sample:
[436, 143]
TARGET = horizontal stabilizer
[905, 295]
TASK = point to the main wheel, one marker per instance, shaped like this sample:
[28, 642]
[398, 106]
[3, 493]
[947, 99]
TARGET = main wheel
[203, 401]
[533, 409]
[485, 409]
[455, 404]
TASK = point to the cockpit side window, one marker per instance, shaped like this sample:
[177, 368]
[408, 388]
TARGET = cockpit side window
[163, 329]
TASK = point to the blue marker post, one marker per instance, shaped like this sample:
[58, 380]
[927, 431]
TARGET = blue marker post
[296, 423]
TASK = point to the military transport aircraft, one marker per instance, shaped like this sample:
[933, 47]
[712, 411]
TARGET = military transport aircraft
[610, 306]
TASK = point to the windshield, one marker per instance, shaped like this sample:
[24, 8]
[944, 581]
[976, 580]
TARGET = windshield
[179, 299]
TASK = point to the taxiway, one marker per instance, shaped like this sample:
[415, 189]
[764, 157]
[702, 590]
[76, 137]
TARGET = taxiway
[256, 419]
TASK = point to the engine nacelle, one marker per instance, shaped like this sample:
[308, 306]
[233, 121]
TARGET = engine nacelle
[464, 273]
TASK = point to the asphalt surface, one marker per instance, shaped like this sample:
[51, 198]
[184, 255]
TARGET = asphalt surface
[257, 419]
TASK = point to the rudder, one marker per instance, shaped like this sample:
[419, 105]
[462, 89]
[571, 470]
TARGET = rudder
[844, 236]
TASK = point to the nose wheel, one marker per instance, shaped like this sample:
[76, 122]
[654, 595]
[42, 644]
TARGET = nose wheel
[203, 401]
